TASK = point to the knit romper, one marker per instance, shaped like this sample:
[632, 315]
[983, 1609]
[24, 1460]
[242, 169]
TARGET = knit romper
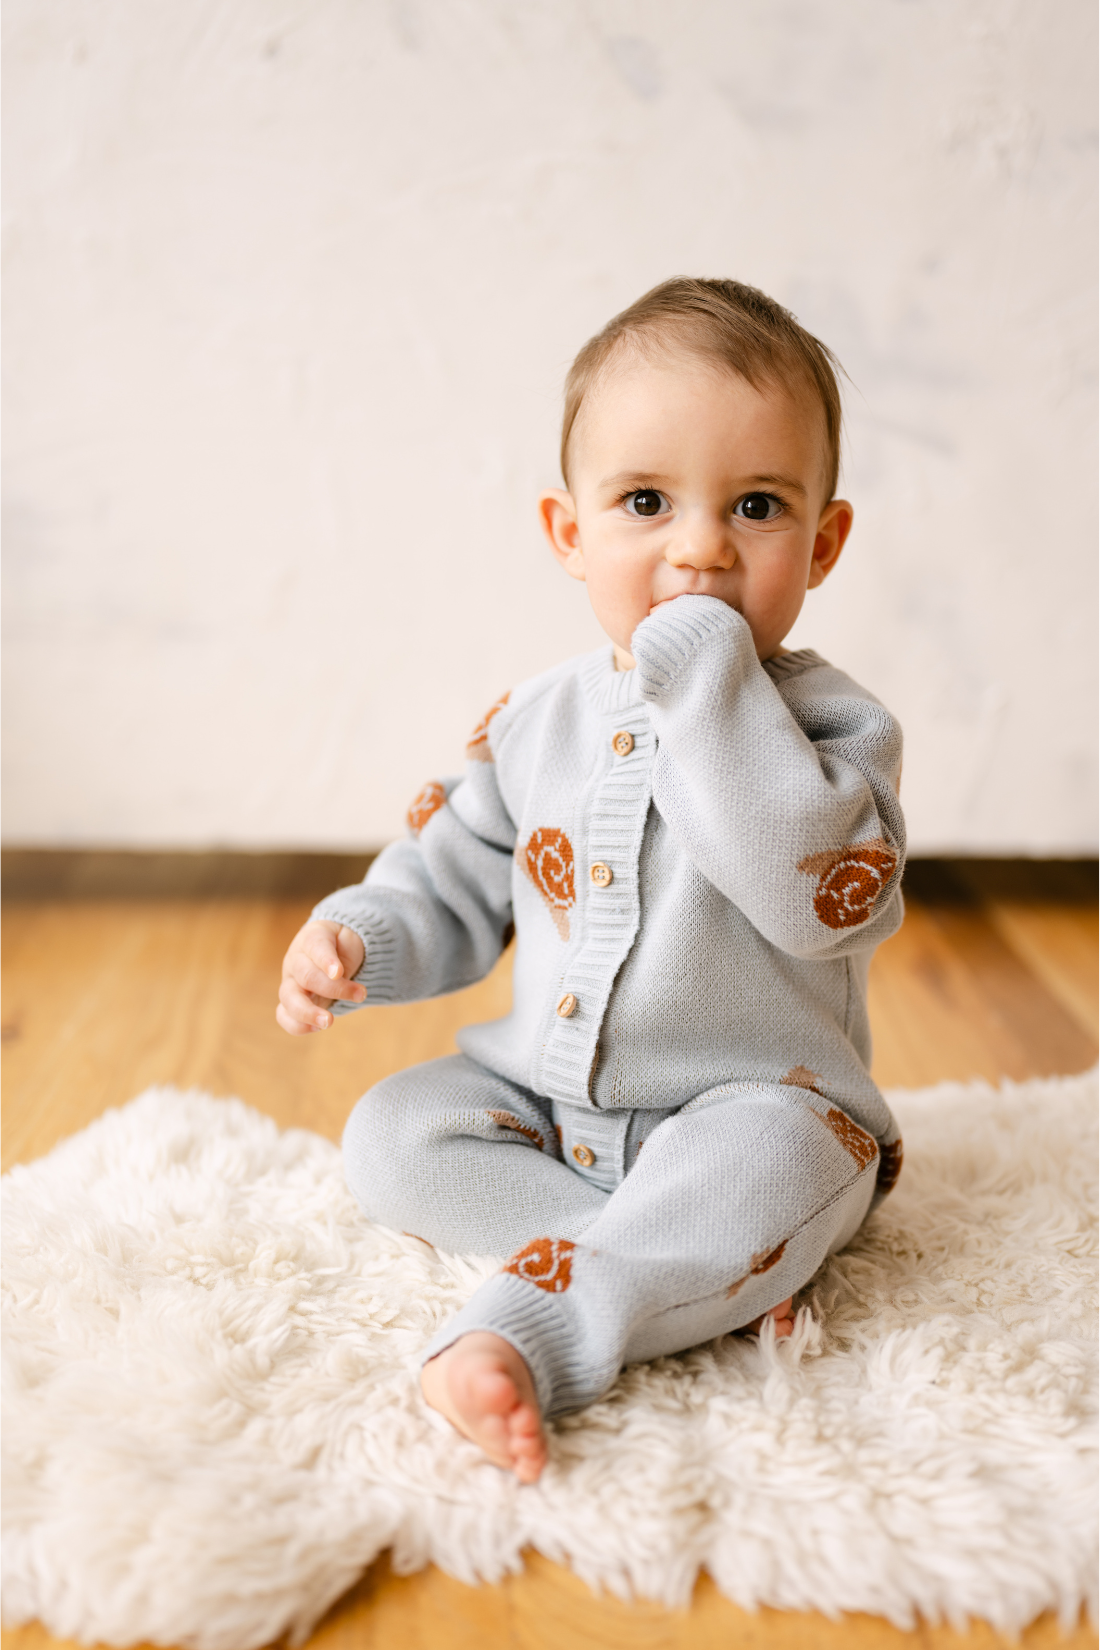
[675, 1124]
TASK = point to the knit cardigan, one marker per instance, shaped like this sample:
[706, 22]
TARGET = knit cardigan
[698, 857]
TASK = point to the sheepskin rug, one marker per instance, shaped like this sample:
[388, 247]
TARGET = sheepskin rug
[213, 1422]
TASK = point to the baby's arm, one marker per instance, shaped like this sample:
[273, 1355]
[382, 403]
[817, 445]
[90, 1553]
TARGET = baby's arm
[783, 792]
[431, 916]
[318, 970]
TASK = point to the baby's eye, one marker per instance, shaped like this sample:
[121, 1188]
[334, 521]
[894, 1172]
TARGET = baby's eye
[645, 502]
[758, 507]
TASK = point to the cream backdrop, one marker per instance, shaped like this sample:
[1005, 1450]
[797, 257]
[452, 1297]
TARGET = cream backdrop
[291, 288]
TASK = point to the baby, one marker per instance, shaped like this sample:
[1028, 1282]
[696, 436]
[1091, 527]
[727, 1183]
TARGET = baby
[697, 838]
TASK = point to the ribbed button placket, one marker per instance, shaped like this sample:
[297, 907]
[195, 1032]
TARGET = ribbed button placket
[594, 1142]
[616, 824]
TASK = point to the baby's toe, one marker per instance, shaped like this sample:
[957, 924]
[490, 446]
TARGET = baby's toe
[526, 1422]
[492, 1435]
[527, 1463]
[528, 1444]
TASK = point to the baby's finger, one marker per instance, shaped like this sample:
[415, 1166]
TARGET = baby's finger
[288, 1023]
[318, 943]
[346, 990]
[300, 1006]
[351, 951]
[304, 971]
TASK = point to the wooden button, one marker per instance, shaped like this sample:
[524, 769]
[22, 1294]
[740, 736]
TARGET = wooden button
[623, 744]
[567, 1006]
[601, 875]
[584, 1155]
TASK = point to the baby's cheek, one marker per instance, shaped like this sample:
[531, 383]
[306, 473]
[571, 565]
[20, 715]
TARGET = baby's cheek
[774, 597]
[621, 598]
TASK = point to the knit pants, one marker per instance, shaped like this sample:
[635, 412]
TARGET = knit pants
[631, 1233]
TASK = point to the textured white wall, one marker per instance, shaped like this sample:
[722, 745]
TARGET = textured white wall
[291, 289]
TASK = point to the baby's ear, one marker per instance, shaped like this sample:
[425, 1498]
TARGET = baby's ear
[832, 530]
[558, 515]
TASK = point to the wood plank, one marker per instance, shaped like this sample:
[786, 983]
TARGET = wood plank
[548, 1608]
[1047, 914]
[103, 1000]
[950, 998]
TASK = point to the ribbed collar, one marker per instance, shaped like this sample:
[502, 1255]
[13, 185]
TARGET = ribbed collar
[609, 689]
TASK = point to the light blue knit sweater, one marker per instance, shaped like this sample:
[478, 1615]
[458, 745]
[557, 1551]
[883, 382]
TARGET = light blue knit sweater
[699, 857]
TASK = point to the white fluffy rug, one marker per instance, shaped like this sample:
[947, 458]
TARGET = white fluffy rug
[213, 1423]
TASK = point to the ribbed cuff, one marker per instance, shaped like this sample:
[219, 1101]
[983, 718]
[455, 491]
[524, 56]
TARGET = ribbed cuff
[665, 642]
[544, 1330]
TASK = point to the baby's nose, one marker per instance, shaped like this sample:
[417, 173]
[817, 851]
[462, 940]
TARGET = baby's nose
[703, 544]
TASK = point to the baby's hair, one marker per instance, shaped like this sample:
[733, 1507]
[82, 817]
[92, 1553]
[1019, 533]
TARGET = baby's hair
[724, 322]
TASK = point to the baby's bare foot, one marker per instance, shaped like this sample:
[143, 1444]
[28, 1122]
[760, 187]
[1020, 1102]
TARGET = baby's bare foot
[484, 1388]
[784, 1320]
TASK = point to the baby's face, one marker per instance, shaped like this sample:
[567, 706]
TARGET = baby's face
[687, 480]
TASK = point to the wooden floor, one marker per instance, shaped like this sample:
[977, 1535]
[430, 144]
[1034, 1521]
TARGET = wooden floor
[993, 974]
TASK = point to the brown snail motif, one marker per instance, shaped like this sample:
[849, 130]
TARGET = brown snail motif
[547, 1263]
[548, 861]
[850, 880]
[427, 801]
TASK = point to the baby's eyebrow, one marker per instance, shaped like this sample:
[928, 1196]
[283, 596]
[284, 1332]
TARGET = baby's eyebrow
[636, 480]
[788, 482]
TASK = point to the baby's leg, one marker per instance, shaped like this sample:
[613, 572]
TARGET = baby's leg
[731, 1207]
[452, 1154]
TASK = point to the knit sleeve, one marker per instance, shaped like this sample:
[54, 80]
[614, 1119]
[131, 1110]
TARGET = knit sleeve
[434, 910]
[782, 791]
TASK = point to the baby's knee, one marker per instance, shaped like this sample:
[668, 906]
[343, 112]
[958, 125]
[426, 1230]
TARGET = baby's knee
[381, 1146]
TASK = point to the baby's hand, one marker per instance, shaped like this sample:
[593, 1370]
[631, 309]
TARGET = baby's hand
[317, 969]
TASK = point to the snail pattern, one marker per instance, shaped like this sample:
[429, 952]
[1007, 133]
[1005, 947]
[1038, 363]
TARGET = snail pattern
[505, 1120]
[548, 861]
[856, 1141]
[889, 1165]
[801, 1077]
[760, 1263]
[547, 1263]
[850, 880]
[479, 749]
[427, 801]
